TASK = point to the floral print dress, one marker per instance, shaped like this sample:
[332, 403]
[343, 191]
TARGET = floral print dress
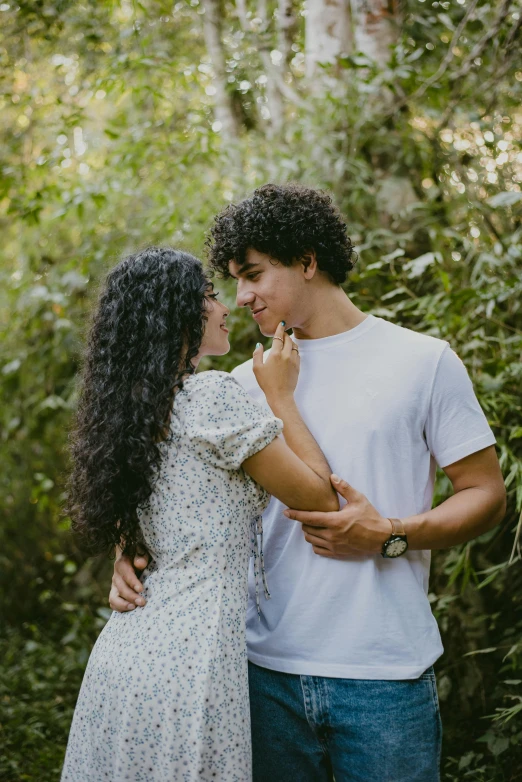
[165, 693]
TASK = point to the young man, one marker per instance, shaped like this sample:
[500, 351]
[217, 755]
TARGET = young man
[341, 678]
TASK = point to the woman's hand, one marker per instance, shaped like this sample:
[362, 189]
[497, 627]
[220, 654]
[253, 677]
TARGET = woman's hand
[125, 589]
[278, 375]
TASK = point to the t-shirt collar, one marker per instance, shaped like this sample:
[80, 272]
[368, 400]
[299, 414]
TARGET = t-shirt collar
[308, 345]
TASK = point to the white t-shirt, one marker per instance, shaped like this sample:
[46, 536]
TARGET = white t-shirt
[385, 405]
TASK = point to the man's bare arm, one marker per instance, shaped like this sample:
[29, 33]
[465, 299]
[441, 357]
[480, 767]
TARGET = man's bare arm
[478, 504]
[358, 529]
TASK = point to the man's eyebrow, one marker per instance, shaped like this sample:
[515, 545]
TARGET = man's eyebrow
[245, 267]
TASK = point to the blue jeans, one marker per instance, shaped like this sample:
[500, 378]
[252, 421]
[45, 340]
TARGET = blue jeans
[318, 729]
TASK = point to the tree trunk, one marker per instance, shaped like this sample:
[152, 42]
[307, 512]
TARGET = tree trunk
[274, 98]
[224, 108]
[241, 10]
[328, 32]
[375, 27]
[336, 27]
[273, 71]
[286, 24]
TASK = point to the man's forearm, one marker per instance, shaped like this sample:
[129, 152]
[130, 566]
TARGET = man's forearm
[462, 517]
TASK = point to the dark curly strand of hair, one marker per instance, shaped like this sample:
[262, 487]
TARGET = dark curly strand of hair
[283, 221]
[147, 328]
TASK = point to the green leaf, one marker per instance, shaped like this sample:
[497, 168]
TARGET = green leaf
[397, 253]
[418, 266]
[481, 651]
[507, 198]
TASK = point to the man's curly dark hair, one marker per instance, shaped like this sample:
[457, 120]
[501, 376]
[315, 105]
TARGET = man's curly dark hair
[283, 221]
[147, 328]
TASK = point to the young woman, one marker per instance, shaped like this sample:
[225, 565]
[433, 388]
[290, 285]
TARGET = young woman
[183, 464]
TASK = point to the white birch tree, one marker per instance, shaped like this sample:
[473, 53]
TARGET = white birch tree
[375, 28]
[212, 29]
[329, 32]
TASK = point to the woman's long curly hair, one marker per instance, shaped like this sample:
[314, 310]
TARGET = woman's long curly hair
[146, 330]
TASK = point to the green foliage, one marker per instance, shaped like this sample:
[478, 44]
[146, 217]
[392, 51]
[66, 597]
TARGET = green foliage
[39, 683]
[109, 142]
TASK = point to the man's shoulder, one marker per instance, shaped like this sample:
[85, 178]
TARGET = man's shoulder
[244, 374]
[408, 340]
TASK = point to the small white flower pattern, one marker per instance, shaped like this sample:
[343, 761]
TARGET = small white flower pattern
[165, 693]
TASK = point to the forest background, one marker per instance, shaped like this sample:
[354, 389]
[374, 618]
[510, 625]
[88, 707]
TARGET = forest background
[129, 123]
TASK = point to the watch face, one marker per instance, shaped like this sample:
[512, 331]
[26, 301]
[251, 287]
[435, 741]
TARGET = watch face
[396, 547]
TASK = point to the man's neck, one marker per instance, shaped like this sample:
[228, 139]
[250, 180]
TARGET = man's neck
[332, 313]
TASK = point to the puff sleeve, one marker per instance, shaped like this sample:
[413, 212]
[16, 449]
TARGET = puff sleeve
[225, 425]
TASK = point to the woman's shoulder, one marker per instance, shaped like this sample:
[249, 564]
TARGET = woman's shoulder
[208, 379]
[211, 384]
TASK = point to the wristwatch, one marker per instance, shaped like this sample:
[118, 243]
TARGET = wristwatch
[397, 543]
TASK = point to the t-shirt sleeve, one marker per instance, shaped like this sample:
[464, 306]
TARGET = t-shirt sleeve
[456, 425]
[226, 426]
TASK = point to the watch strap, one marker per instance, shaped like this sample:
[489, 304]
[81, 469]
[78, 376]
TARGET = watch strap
[397, 527]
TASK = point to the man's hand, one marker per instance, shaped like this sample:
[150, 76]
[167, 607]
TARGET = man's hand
[126, 588]
[357, 529]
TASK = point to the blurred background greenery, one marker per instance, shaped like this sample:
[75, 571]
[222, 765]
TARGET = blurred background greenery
[125, 123]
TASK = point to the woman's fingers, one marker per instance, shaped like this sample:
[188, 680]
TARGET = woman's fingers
[124, 569]
[287, 347]
[141, 561]
[117, 603]
[258, 356]
[278, 340]
[126, 592]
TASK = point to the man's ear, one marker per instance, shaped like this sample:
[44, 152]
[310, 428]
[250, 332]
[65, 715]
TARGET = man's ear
[308, 260]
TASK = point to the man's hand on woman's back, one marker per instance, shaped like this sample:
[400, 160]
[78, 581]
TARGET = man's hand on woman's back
[126, 587]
